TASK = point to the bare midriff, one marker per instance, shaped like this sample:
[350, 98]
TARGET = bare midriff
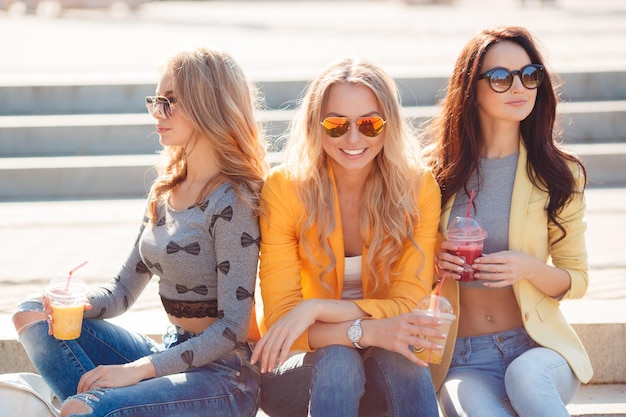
[193, 325]
[485, 311]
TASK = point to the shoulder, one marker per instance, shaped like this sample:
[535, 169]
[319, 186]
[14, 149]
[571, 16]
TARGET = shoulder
[278, 181]
[426, 183]
[224, 199]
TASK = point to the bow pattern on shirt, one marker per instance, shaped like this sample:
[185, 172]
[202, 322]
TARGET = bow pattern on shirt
[200, 289]
[192, 248]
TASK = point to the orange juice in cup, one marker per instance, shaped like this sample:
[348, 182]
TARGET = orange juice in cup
[439, 307]
[67, 302]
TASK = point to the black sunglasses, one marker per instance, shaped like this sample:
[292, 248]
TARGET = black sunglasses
[164, 105]
[501, 79]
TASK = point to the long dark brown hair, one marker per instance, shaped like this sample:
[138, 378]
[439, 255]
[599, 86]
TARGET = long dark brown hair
[454, 134]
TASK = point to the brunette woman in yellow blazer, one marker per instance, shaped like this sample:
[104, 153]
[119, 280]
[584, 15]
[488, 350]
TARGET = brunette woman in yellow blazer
[347, 246]
[511, 353]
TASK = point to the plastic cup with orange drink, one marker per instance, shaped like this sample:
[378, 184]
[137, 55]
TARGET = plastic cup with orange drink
[439, 307]
[66, 298]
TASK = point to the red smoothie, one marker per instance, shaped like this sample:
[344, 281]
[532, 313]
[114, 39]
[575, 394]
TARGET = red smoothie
[469, 251]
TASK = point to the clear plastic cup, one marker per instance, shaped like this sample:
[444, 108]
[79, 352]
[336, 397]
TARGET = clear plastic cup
[67, 303]
[468, 236]
[439, 307]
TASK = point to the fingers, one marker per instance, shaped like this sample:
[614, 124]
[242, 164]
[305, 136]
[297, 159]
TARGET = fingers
[272, 350]
[89, 381]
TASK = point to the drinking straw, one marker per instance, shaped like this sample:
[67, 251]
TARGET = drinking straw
[435, 306]
[469, 204]
[69, 275]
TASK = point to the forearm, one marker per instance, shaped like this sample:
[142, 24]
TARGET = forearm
[550, 280]
[324, 334]
[143, 368]
[333, 317]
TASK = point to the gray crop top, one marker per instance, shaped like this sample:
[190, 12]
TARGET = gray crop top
[492, 203]
[205, 255]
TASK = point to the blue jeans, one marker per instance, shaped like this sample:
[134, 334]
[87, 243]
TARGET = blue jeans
[342, 381]
[506, 374]
[228, 386]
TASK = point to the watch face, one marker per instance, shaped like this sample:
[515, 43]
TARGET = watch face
[355, 333]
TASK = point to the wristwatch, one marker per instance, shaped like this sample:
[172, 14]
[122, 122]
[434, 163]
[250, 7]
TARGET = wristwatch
[355, 332]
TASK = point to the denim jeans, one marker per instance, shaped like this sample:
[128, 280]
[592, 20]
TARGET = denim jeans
[345, 382]
[228, 386]
[506, 374]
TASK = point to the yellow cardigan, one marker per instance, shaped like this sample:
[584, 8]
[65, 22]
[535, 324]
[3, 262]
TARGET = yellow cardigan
[531, 232]
[290, 273]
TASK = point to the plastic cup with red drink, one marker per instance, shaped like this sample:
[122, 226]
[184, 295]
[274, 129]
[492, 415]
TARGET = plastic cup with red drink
[468, 236]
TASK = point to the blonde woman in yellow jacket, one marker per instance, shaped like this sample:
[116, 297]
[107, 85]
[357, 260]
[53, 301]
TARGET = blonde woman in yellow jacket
[347, 244]
[511, 352]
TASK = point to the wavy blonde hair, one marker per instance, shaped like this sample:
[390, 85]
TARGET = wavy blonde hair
[389, 211]
[218, 100]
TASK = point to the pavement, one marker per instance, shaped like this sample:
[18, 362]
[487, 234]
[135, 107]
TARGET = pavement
[294, 39]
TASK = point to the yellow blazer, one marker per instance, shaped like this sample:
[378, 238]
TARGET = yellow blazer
[291, 272]
[531, 232]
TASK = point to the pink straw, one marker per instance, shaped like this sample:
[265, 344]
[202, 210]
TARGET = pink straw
[436, 306]
[69, 275]
[469, 205]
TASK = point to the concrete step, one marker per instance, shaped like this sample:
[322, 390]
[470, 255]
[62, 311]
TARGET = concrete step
[133, 133]
[129, 176]
[100, 134]
[599, 401]
[99, 95]
[591, 400]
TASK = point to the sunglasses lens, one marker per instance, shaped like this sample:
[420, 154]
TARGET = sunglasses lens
[335, 126]
[161, 104]
[501, 80]
[531, 76]
[370, 126]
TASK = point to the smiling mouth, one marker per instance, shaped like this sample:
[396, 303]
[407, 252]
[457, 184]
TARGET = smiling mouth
[353, 151]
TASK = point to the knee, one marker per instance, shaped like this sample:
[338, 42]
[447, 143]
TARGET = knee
[22, 320]
[338, 363]
[523, 377]
[74, 407]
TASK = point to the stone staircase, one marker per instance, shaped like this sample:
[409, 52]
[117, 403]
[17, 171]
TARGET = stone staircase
[85, 140]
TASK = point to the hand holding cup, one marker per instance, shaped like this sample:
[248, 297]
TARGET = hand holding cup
[65, 301]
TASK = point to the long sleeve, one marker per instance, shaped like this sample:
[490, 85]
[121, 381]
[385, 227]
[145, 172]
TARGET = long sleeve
[117, 296]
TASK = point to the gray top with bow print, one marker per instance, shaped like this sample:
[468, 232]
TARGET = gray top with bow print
[207, 253]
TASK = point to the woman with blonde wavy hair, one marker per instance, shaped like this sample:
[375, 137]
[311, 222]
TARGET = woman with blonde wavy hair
[201, 238]
[348, 234]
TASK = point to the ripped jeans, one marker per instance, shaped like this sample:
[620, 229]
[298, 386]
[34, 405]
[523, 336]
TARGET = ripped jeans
[228, 386]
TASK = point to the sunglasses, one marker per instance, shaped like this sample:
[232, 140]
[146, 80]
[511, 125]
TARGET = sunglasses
[368, 126]
[500, 80]
[164, 105]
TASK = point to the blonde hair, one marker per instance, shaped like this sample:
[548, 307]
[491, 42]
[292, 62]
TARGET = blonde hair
[389, 211]
[218, 100]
